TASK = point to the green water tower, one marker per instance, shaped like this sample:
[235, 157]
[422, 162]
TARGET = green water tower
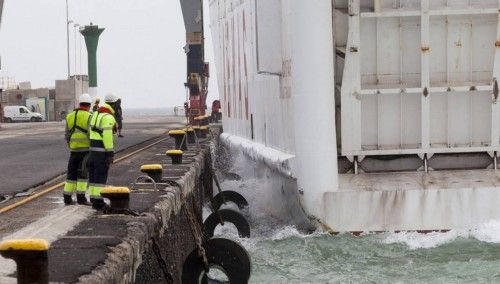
[91, 34]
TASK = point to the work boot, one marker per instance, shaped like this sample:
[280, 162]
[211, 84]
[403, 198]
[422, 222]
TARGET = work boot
[81, 199]
[99, 205]
[68, 200]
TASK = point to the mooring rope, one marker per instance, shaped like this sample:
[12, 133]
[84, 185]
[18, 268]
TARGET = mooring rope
[169, 278]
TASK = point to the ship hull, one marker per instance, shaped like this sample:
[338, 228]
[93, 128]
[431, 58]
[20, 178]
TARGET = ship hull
[384, 115]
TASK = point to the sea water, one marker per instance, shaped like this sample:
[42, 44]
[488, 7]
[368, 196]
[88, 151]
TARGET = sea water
[288, 256]
[282, 254]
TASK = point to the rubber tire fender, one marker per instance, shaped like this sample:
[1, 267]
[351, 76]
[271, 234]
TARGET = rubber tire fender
[229, 196]
[230, 216]
[226, 254]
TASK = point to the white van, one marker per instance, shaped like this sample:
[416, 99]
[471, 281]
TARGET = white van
[20, 113]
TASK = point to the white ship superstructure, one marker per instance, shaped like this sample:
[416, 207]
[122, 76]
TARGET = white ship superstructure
[383, 113]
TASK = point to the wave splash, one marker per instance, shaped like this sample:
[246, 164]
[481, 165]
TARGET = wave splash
[488, 232]
[255, 185]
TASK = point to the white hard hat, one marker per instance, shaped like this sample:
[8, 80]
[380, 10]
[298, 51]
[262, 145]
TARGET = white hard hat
[85, 99]
[110, 98]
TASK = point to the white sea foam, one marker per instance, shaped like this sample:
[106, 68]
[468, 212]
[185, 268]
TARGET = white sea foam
[263, 225]
[416, 240]
[275, 159]
[487, 232]
[285, 233]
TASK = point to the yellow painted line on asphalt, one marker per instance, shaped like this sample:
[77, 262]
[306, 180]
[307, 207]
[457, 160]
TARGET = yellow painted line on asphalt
[139, 150]
[61, 184]
[30, 198]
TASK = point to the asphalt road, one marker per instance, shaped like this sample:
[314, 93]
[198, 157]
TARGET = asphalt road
[31, 154]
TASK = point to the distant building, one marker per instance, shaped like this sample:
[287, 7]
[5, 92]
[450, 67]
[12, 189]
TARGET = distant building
[7, 82]
[56, 102]
[24, 85]
[67, 93]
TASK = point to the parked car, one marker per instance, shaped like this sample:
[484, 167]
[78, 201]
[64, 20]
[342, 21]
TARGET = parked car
[20, 113]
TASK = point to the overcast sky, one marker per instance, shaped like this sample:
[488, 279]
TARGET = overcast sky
[140, 55]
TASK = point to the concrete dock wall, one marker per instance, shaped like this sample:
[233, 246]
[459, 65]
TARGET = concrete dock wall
[133, 260]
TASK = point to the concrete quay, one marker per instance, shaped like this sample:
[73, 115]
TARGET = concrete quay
[90, 247]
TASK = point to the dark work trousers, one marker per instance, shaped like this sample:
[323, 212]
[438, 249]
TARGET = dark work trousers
[76, 178]
[98, 173]
[77, 168]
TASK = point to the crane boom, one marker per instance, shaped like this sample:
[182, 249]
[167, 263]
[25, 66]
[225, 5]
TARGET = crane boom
[197, 69]
[192, 10]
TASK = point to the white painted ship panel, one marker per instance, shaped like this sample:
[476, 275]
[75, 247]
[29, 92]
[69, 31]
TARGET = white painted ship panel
[252, 92]
[409, 48]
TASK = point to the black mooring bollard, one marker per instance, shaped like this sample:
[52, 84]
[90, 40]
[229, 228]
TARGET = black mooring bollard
[191, 138]
[198, 120]
[197, 130]
[204, 131]
[154, 171]
[180, 140]
[31, 257]
[119, 198]
[206, 120]
[176, 156]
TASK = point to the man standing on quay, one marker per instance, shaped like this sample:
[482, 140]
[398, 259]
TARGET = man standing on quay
[102, 124]
[77, 137]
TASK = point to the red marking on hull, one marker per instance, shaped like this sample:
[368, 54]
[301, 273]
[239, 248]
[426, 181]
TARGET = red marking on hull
[246, 107]
[227, 72]
[233, 64]
[245, 63]
[239, 70]
[359, 233]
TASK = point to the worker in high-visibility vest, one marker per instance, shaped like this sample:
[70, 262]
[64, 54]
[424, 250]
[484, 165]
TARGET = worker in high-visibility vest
[216, 114]
[102, 126]
[96, 105]
[77, 137]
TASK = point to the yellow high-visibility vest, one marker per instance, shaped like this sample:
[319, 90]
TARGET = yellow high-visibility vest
[77, 130]
[101, 130]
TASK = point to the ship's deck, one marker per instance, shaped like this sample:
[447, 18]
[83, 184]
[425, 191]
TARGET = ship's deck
[432, 180]
[414, 201]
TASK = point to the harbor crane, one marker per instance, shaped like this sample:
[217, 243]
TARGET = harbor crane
[197, 69]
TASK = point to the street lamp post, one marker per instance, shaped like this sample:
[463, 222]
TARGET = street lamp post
[80, 49]
[68, 22]
[76, 26]
[75, 78]
[80, 71]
